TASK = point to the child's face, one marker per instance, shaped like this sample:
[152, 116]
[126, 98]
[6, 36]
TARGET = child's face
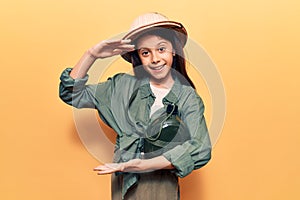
[156, 55]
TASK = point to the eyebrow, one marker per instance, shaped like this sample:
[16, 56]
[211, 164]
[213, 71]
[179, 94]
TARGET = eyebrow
[160, 43]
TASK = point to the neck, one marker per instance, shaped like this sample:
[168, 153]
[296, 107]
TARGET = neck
[164, 83]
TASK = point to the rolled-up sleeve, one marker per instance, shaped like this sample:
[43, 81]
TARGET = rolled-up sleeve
[75, 92]
[196, 152]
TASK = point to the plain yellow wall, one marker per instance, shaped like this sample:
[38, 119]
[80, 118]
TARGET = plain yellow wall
[255, 45]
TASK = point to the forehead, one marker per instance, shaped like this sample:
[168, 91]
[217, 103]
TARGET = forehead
[150, 41]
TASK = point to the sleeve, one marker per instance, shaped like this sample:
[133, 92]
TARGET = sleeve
[196, 152]
[75, 92]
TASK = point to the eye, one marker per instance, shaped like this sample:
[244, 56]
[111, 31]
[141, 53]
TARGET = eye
[144, 53]
[162, 49]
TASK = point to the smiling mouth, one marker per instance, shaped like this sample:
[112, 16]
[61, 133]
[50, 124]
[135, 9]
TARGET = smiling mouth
[157, 68]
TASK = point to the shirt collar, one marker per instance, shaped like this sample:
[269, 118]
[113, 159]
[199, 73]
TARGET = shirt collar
[171, 97]
[144, 88]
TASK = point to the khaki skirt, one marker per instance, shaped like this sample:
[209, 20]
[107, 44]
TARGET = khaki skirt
[160, 185]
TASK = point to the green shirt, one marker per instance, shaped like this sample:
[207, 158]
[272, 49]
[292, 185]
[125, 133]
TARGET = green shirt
[111, 99]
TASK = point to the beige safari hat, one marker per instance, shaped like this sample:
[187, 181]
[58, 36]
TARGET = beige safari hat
[150, 21]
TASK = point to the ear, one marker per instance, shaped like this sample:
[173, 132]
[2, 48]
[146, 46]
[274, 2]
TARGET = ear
[173, 53]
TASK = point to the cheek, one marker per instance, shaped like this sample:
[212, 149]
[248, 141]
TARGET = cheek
[145, 61]
[168, 58]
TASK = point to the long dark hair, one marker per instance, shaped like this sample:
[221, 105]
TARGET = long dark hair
[179, 63]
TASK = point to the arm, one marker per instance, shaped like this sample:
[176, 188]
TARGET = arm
[135, 165]
[192, 154]
[196, 152]
[73, 89]
[104, 49]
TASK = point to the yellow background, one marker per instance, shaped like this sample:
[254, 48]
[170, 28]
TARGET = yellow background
[255, 45]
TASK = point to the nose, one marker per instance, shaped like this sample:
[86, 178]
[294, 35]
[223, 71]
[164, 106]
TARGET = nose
[155, 58]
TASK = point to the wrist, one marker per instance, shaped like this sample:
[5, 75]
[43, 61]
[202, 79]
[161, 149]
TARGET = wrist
[91, 54]
[131, 165]
[123, 167]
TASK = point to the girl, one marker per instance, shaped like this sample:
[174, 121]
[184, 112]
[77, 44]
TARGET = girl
[132, 105]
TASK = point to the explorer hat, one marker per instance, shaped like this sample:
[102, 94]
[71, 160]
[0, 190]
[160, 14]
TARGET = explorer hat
[150, 21]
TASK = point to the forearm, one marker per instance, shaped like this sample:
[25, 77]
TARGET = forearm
[83, 65]
[104, 49]
[140, 165]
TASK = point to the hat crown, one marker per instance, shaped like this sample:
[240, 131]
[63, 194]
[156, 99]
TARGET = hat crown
[146, 19]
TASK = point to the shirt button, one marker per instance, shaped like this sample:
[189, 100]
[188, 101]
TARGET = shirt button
[125, 158]
[129, 133]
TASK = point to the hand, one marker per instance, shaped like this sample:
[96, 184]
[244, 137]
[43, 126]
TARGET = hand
[108, 48]
[109, 168]
[135, 165]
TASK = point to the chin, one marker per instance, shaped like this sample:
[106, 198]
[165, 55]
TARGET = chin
[158, 77]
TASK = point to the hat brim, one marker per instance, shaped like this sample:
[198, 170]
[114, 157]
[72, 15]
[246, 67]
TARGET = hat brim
[177, 27]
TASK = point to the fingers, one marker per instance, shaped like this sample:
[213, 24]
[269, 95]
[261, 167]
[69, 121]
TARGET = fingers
[119, 46]
[107, 168]
[104, 170]
[117, 51]
[109, 171]
[124, 47]
[122, 50]
[118, 41]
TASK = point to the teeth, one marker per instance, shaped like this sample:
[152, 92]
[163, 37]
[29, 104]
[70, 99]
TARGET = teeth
[157, 68]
